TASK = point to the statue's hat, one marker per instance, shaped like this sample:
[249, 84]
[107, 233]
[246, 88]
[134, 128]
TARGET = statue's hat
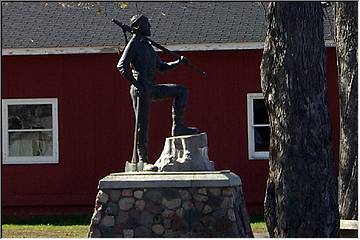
[134, 21]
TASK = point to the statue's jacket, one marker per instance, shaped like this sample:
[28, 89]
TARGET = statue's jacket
[140, 62]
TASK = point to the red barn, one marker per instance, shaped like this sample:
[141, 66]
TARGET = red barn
[67, 114]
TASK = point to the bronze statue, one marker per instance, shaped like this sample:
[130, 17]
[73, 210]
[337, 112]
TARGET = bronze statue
[139, 64]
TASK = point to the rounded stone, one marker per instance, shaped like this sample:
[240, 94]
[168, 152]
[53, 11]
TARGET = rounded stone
[96, 217]
[168, 213]
[170, 193]
[171, 204]
[180, 212]
[231, 215]
[223, 225]
[207, 209]
[199, 205]
[138, 194]
[187, 205]
[167, 223]
[201, 198]
[146, 219]
[111, 209]
[119, 227]
[208, 221]
[140, 205]
[227, 202]
[128, 233]
[115, 195]
[171, 234]
[237, 230]
[153, 195]
[158, 229]
[108, 221]
[142, 232]
[157, 219]
[202, 191]
[219, 213]
[197, 227]
[185, 195]
[126, 203]
[227, 191]
[102, 197]
[153, 208]
[178, 223]
[122, 216]
[196, 215]
[215, 191]
[135, 215]
[95, 233]
[127, 193]
[215, 201]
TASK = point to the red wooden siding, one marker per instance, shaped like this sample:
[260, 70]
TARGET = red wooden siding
[96, 121]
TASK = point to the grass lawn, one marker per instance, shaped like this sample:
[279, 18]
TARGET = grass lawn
[259, 230]
[74, 231]
[44, 231]
[258, 227]
[70, 231]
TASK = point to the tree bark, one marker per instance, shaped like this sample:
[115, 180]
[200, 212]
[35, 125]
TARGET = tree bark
[301, 191]
[346, 48]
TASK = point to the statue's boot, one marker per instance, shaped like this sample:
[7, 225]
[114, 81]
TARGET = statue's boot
[143, 164]
[178, 128]
[148, 167]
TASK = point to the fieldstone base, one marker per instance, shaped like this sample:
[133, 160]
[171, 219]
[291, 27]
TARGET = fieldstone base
[196, 204]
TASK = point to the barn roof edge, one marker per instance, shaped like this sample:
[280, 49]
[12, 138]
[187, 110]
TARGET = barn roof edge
[114, 49]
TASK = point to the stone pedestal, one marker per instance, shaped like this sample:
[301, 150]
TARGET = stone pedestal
[348, 228]
[185, 153]
[178, 204]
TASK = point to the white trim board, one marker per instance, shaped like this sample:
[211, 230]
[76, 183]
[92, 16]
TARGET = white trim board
[114, 49]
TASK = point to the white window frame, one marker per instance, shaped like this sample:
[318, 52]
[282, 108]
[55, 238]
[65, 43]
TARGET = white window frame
[5, 130]
[250, 120]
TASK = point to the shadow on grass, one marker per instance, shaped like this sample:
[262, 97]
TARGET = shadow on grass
[255, 218]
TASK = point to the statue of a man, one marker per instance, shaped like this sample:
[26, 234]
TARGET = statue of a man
[139, 64]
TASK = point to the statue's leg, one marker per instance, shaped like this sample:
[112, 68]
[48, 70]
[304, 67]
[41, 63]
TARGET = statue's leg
[180, 94]
[142, 110]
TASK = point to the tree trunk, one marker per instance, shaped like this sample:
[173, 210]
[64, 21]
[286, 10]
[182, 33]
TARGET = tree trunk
[346, 48]
[301, 191]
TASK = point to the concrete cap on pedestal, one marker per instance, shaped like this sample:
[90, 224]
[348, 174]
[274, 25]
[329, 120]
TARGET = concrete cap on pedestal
[169, 179]
[348, 224]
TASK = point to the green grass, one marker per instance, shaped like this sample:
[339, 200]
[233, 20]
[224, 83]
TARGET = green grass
[62, 220]
[258, 227]
[68, 227]
[44, 231]
[69, 231]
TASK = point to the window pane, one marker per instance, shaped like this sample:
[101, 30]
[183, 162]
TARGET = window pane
[30, 144]
[37, 116]
[260, 113]
[262, 138]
